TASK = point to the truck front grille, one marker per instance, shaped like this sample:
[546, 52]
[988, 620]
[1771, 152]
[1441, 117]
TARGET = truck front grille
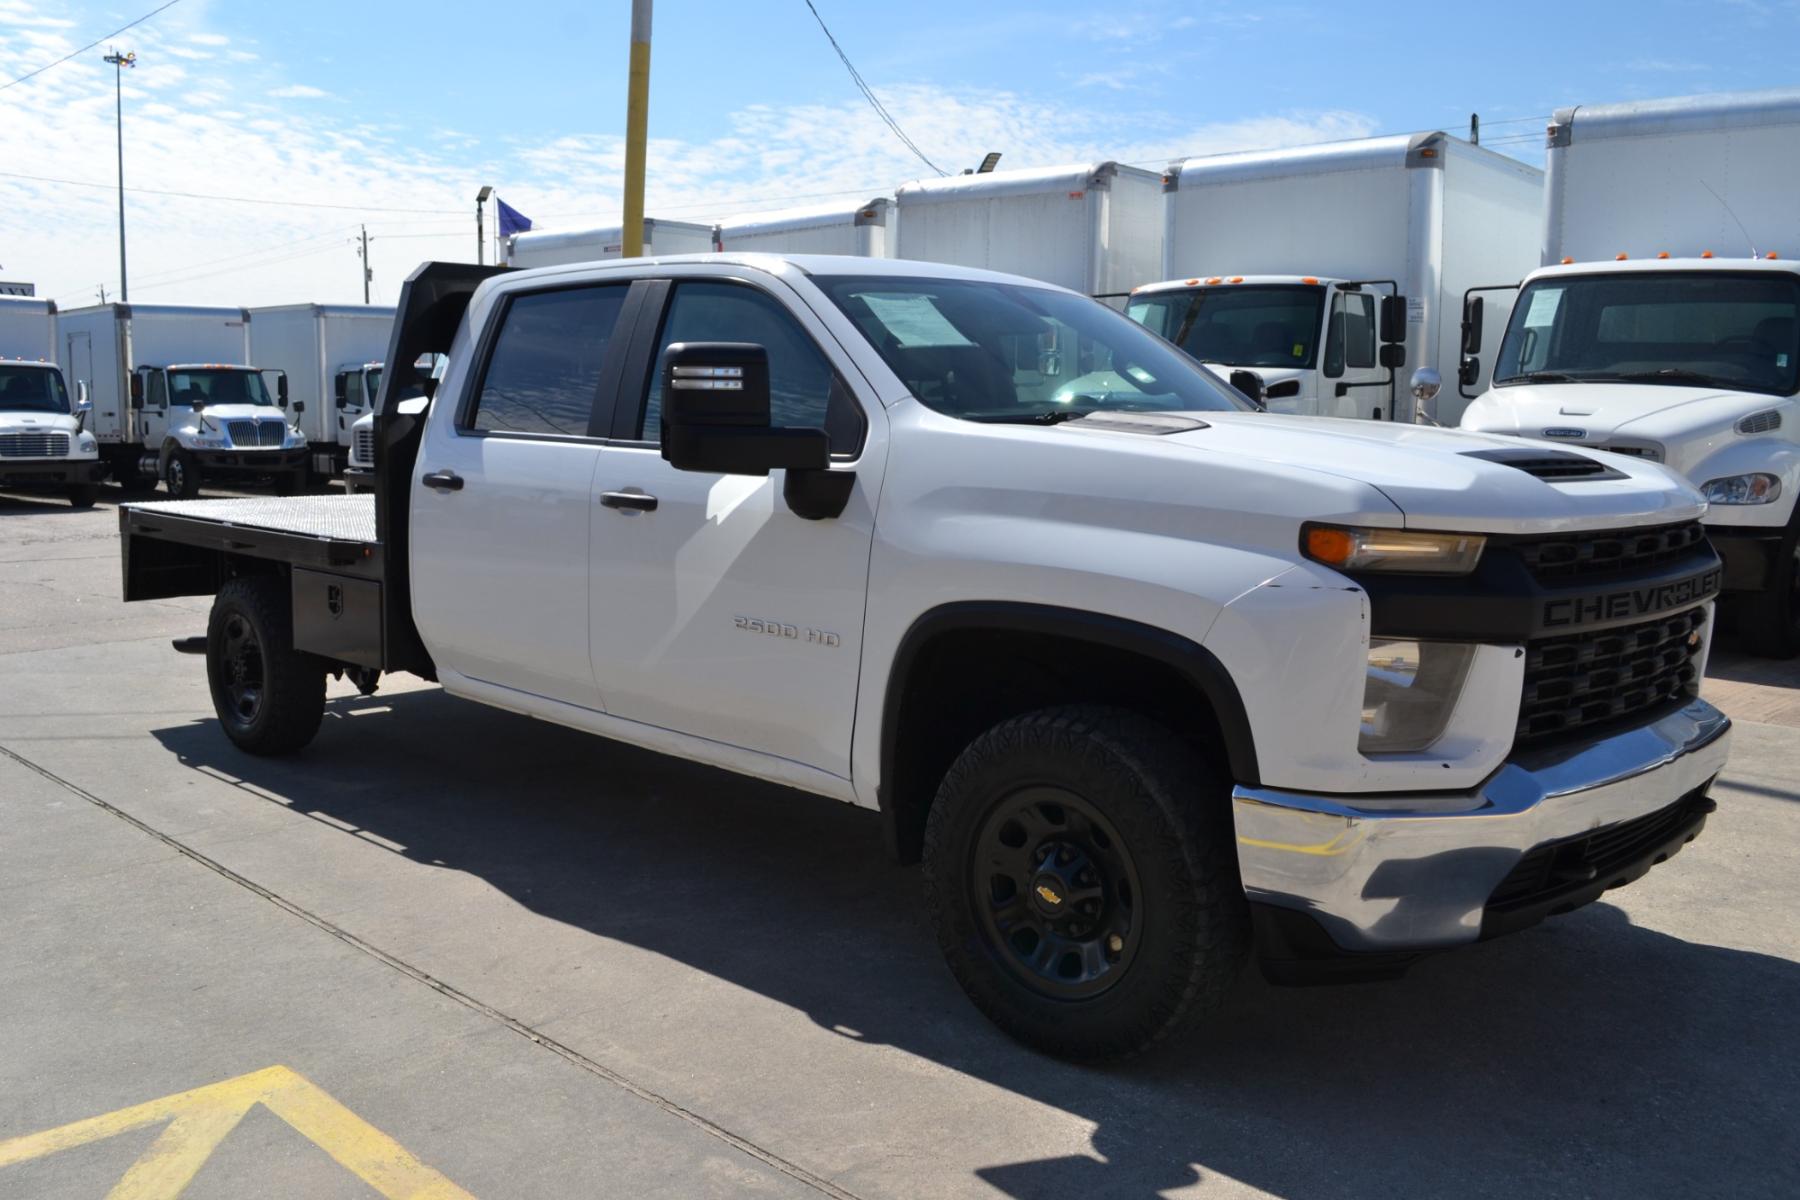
[255, 433]
[364, 450]
[1612, 552]
[1585, 679]
[34, 445]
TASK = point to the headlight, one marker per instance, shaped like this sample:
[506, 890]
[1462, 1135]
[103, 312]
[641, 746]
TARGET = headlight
[87, 445]
[1409, 692]
[208, 443]
[1397, 550]
[1755, 488]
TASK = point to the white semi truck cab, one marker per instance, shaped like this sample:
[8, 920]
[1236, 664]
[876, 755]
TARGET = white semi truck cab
[216, 421]
[1294, 343]
[1145, 678]
[44, 440]
[1689, 362]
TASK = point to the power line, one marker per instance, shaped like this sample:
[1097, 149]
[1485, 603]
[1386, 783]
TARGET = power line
[869, 95]
[65, 58]
[88, 183]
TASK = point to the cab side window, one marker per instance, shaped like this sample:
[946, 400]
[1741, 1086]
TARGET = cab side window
[1350, 340]
[804, 392]
[156, 390]
[543, 374]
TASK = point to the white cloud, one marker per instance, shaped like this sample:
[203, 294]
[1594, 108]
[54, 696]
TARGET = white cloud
[209, 39]
[299, 91]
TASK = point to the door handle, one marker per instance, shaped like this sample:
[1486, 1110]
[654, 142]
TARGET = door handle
[630, 501]
[450, 481]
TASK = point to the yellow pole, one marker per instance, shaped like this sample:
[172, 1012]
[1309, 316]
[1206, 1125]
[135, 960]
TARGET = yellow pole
[637, 125]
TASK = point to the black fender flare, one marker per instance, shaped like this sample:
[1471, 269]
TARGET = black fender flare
[1192, 661]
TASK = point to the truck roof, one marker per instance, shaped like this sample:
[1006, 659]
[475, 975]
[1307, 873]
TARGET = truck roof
[206, 366]
[1611, 266]
[806, 264]
[161, 310]
[1033, 181]
[1183, 285]
[328, 310]
[787, 220]
[1675, 114]
[1427, 149]
[42, 305]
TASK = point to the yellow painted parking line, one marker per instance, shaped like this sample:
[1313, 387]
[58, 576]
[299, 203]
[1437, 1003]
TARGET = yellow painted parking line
[200, 1119]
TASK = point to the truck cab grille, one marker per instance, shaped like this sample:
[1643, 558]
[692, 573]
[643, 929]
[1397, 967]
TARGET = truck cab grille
[364, 449]
[34, 445]
[1565, 557]
[255, 433]
[1587, 679]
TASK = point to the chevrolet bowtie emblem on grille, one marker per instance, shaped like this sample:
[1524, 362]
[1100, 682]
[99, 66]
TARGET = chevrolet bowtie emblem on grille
[1565, 433]
[1049, 894]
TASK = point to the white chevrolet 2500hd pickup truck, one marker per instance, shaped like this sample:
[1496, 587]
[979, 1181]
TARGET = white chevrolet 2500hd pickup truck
[1148, 680]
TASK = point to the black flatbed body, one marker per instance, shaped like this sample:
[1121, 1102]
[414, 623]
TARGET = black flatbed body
[335, 533]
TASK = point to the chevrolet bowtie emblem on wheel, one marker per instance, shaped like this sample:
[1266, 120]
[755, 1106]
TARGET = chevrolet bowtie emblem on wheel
[1049, 894]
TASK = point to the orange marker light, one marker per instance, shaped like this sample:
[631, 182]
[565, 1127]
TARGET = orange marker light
[1567, 260]
[1332, 546]
[1240, 278]
[1706, 254]
[1215, 279]
[1618, 258]
[1663, 254]
[1771, 256]
[1190, 282]
[1308, 279]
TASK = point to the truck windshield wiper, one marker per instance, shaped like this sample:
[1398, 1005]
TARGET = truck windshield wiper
[1540, 377]
[1674, 375]
[1054, 416]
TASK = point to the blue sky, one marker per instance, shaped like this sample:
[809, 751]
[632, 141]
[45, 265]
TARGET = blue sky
[385, 107]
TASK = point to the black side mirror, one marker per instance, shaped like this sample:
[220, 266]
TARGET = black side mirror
[342, 387]
[715, 414]
[1393, 322]
[1468, 372]
[1471, 325]
[1251, 384]
[198, 405]
[1392, 355]
[137, 390]
[299, 406]
[281, 392]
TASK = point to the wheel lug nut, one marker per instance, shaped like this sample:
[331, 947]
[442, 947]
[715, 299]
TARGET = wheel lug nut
[1115, 943]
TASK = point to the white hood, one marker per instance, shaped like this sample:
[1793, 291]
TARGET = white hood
[1601, 410]
[36, 422]
[1430, 475]
[234, 412]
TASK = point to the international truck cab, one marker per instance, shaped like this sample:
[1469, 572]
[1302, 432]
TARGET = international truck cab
[1690, 362]
[44, 441]
[216, 421]
[1294, 343]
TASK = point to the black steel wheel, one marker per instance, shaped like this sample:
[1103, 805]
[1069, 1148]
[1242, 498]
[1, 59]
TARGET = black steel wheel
[1081, 875]
[83, 495]
[181, 475]
[269, 697]
[1061, 892]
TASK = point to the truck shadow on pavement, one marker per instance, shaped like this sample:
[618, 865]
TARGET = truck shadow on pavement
[1585, 1057]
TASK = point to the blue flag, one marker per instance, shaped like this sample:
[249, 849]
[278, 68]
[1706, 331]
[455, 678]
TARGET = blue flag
[511, 219]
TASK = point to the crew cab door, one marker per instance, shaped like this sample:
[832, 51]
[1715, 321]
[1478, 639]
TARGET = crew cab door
[716, 611]
[502, 491]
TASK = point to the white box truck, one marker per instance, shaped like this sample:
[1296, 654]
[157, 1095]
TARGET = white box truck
[860, 230]
[44, 439]
[332, 356]
[549, 247]
[1093, 227]
[175, 397]
[1275, 260]
[1665, 323]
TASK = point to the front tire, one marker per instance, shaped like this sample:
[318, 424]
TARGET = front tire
[269, 697]
[181, 475]
[1769, 622]
[83, 495]
[1081, 874]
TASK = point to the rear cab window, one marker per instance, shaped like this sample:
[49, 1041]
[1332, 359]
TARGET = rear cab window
[545, 364]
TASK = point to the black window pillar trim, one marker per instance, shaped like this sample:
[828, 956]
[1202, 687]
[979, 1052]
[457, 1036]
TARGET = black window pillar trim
[903, 820]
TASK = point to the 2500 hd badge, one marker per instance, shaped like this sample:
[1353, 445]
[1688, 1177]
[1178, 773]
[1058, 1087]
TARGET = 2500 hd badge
[1632, 602]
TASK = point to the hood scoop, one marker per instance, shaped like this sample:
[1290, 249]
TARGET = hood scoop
[1157, 424]
[1552, 466]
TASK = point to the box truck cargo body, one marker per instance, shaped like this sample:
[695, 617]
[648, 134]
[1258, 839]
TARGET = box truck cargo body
[1426, 216]
[549, 248]
[144, 366]
[331, 354]
[27, 328]
[1665, 323]
[861, 230]
[1095, 227]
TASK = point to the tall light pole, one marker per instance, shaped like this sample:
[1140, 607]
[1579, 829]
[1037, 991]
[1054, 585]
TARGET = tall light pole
[480, 240]
[637, 125]
[119, 63]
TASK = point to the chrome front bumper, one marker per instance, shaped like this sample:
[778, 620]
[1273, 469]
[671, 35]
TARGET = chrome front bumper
[1402, 873]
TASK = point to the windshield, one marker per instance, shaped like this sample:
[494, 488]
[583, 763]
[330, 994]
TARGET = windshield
[372, 382]
[26, 388]
[1699, 328]
[1006, 352]
[1241, 326]
[218, 385]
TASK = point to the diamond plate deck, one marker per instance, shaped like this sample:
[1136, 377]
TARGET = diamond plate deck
[334, 518]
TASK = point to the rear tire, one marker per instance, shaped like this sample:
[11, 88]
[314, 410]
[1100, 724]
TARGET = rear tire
[181, 475]
[268, 696]
[1769, 622]
[83, 495]
[1081, 874]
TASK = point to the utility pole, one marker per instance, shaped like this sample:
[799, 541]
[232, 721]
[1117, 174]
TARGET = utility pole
[366, 272]
[119, 63]
[481, 241]
[637, 126]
